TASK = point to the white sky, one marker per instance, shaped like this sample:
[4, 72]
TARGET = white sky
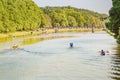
[101, 6]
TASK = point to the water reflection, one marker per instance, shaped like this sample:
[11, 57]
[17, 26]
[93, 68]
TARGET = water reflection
[6, 39]
[31, 40]
[35, 40]
[115, 67]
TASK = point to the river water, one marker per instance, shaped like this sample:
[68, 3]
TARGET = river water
[50, 58]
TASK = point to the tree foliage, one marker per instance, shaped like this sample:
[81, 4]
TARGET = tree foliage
[114, 19]
[23, 15]
[18, 15]
[69, 16]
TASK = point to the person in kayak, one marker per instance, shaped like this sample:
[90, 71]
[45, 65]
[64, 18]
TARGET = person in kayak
[102, 53]
[71, 44]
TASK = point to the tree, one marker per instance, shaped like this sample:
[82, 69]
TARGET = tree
[92, 21]
[114, 21]
[18, 15]
[71, 21]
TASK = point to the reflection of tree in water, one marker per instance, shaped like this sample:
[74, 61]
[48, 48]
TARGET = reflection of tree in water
[35, 40]
[6, 39]
[115, 70]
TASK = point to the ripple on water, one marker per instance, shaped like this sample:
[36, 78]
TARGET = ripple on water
[54, 60]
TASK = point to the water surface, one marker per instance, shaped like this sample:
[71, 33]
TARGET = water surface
[53, 59]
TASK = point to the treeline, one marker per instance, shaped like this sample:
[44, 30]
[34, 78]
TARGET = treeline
[73, 17]
[114, 19]
[23, 15]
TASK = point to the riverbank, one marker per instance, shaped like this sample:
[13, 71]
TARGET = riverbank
[9, 36]
[109, 32]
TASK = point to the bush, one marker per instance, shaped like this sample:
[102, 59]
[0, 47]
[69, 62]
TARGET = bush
[118, 39]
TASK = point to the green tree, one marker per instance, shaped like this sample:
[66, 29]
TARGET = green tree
[71, 21]
[18, 15]
[114, 21]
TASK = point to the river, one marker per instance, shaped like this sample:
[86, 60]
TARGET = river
[49, 57]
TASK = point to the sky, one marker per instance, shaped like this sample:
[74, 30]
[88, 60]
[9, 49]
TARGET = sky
[100, 6]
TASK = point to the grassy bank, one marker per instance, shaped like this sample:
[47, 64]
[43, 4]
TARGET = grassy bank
[39, 32]
[117, 37]
[109, 32]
